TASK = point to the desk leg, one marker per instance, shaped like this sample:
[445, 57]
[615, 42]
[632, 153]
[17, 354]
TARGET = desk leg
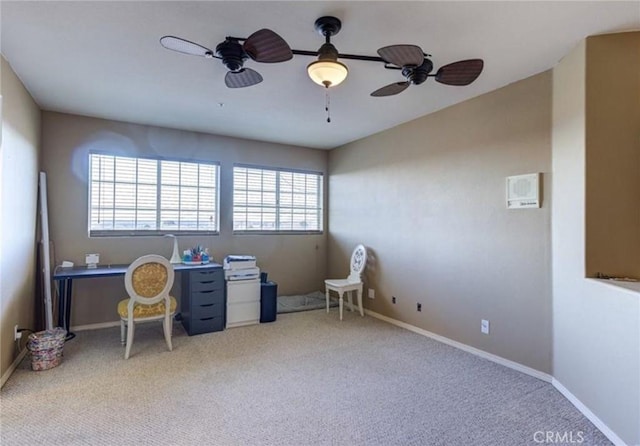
[64, 308]
[62, 297]
[67, 317]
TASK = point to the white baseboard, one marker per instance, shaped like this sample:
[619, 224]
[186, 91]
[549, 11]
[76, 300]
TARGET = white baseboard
[587, 413]
[12, 367]
[467, 348]
[95, 326]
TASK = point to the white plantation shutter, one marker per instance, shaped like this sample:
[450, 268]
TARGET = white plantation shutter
[135, 196]
[276, 200]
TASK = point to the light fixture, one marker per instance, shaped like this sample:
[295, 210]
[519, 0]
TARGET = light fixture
[327, 71]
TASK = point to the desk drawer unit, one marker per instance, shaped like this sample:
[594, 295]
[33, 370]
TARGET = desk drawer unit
[203, 301]
[243, 303]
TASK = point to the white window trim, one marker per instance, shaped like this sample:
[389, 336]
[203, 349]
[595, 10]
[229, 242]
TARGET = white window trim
[321, 209]
[153, 232]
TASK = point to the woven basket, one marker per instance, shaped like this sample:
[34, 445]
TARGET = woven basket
[46, 348]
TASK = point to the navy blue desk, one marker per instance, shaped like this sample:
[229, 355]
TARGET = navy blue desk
[65, 276]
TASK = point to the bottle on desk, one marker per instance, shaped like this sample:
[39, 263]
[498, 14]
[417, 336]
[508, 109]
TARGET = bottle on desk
[187, 256]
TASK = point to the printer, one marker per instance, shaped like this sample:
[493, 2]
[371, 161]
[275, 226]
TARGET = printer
[239, 262]
[238, 267]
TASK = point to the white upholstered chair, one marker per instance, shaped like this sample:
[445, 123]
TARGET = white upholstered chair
[351, 283]
[148, 281]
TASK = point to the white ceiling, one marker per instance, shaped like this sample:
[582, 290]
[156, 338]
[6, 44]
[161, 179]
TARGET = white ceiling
[103, 59]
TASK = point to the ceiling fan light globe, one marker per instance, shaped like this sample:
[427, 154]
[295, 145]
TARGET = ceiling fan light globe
[327, 73]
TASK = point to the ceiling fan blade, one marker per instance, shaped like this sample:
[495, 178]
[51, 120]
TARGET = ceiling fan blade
[391, 89]
[267, 46]
[185, 46]
[460, 73]
[401, 55]
[245, 77]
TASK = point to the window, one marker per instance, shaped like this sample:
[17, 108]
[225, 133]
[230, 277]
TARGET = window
[276, 200]
[145, 196]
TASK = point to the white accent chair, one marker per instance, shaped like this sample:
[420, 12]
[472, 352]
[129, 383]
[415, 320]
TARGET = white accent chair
[351, 283]
[148, 281]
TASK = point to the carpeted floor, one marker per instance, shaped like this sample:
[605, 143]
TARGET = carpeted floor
[306, 379]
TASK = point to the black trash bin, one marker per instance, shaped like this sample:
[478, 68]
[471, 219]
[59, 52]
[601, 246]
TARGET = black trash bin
[268, 301]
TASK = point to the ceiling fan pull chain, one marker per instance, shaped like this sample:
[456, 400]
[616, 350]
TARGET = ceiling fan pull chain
[327, 103]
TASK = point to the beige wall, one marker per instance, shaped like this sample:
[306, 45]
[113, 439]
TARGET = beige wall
[296, 262]
[613, 155]
[596, 326]
[428, 200]
[19, 159]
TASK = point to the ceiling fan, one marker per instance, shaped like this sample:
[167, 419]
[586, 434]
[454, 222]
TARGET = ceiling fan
[262, 46]
[416, 68]
[268, 47]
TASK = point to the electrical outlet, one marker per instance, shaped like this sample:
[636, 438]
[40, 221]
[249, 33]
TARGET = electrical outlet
[419, 306]
[372, 293]
[393, 299]
[16, 334]
[484, 326]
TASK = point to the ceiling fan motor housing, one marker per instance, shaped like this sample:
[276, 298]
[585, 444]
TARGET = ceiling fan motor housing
[232, 54]
[327, 52]
[417, 75]
[328, 26]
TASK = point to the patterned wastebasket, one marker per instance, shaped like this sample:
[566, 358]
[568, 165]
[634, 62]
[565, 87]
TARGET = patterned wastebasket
[46, 348]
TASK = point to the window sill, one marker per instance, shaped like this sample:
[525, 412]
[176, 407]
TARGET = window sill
[106, 234]
[277, 232]
[630, 287]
